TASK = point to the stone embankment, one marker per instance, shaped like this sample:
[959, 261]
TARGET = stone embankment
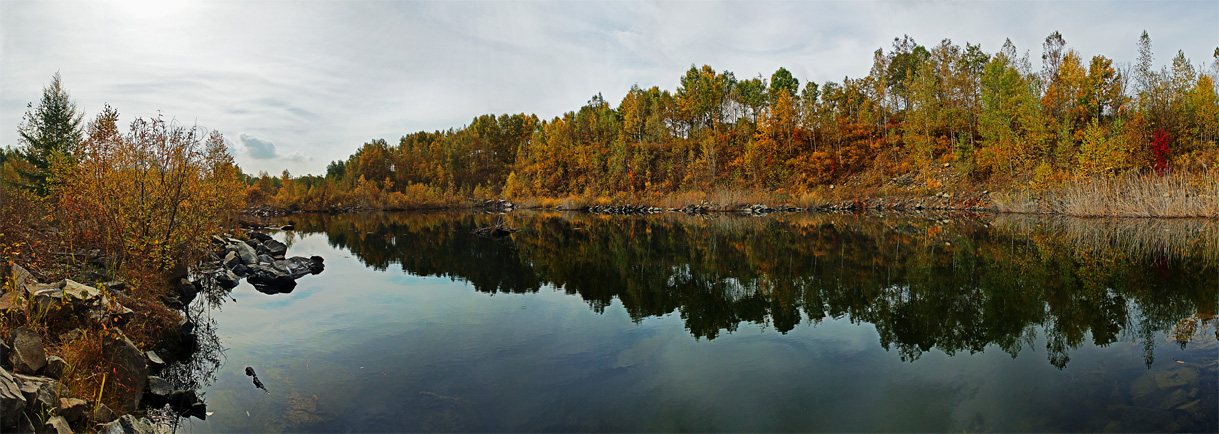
[943, 201]
[33, 397]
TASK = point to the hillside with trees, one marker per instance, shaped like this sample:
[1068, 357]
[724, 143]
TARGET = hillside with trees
[1000, 120]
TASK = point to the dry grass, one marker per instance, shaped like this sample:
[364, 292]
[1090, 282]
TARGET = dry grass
[1139, 238]
[1180, 194]
[1019, 201]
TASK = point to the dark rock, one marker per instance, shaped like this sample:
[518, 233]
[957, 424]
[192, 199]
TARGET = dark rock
[21, 277]
[57, 425]
[299, 266]
[56, 367]
[231, 259]
[317, 264]
[12, 301]
[288, 227]
[80, 293]
[159, 386]
[275, 249]
[172, 301]
[154, 360]
[227, 278]
[270, 279]
[259, 236]
[253, 243]
[240, 270]
[108, 309]
[39, 392]
[187, 290]
[129, 424]
[187, 403]
[27, 355]
[131, 368]
[23, 423]
[102, 414]
[72, 409]
[186, 327]
[247, 254]
[12, 401]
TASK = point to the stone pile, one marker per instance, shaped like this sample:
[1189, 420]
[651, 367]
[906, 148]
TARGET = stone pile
[760, 209]
[627, 209]
[498, 206]
[30, 388]
[261, 260]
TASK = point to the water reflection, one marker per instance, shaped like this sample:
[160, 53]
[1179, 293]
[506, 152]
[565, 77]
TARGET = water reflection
[956, 283]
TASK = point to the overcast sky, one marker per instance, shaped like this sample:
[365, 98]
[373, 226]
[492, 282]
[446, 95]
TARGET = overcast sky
[296, 84]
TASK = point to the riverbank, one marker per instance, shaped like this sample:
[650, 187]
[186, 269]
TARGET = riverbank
[93, 352]
[1173, 195]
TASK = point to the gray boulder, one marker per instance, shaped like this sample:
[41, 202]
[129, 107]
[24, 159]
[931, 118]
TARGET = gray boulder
[131, 368]
[153, 359]
[12, 401]
[79, 292]
[23, 423]
[102, 414]
[245, 252]
[56, 367]
[187, 290]
[299, 266]
[158, 386]
[274, 248]
[12, 301]
[21, 277]
[269, 279]
[40, 392]
[57, 425]
[227, 278]
[231, 259]
[266, 259]
[106, 309]
[72, 409]
[129, 424]
[27, 355]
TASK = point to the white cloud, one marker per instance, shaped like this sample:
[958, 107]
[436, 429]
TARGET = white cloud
[258, 149]
[326, 77]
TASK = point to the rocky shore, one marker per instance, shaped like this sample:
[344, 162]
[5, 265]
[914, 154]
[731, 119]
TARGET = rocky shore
[33, 394]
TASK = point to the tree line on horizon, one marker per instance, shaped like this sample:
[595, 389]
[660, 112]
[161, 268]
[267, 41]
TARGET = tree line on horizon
[994, 116]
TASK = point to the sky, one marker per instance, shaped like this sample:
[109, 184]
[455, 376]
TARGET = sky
[295, 84]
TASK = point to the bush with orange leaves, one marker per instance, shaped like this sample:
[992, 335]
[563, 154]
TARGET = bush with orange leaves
[150, 197]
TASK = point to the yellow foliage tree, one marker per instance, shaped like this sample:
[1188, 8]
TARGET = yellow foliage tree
[153, 195]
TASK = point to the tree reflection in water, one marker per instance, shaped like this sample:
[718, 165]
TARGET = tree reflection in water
[957, 283]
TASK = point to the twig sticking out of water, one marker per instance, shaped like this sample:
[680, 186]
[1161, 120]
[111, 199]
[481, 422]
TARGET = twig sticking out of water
[494, 231]
[250, 372]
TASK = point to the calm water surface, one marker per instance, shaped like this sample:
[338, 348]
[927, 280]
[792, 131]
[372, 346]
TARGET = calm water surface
[799, 322]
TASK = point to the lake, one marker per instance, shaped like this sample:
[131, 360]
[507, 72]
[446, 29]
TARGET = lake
[790, 322]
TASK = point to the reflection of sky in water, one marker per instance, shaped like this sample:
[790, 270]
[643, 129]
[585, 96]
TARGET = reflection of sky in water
[355, 349]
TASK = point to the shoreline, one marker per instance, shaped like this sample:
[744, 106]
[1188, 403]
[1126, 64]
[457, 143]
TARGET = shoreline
[68, 334]
[1042, 203]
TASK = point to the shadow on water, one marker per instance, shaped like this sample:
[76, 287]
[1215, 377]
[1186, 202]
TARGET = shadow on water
[957, 283]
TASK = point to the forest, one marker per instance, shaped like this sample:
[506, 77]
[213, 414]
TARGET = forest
[1000, 121]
